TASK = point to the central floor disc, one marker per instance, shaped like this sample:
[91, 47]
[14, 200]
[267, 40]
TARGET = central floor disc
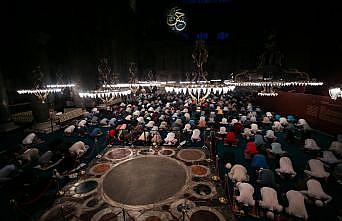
[144, 180]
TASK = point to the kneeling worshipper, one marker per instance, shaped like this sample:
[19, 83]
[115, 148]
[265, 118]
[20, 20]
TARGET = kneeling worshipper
[316, 169]
[95, 111]
[104, 122]
[170, 139]
[45, 158]
[336, 147]
[329, 158]
[310, 144]
[269, 201]
[95, 132]
[69, 130]
[78, 149]
[30, 155]
[6, 171]
[286, 168]
[250, 150]
[277, 127]
[316, 193]
[237, 173]
[296, 204]
[237, 127]
[246, 192]
[29, 139]
[270, 136]
[81, 124]
[231, 139]
[195, 137]
[259, 162]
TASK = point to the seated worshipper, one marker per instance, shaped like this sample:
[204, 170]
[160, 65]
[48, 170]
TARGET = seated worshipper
[247, 133]
[224, 121]
[270, 136]
[329, 158]
[259, 161]
[94, 120]
[259, 140]
[316, 169]
[141, 120]
[96, 132]
[128, 118]
[266, 178]
[170, 139]
[296, 204]
[222, 131]
[250, 150]
[336, 147]
[6, 171]
[212, 117]
[277, 127]
[286, 168]
[104, 122]
[253, 119]
[237, 127]
[195, 137]
[29, 139]
[219, 110]
[202, 123]
[95, 111]
[246, 192]
[187, 117]
[112, 135]
[78, 149]
[269, 201]
[266, 120]
[269, 115]
[254, 128]
[243, 119]
[310, 144]
[303, 124]
[275, 150]
[156, 138]
[30, 155]
[112, 122]
[283, 121]
[150, 124]
[316, 193]
[237, 173]
[69, 130]
[231, 139]
[187, 128]
[81, 124]
[234, 121]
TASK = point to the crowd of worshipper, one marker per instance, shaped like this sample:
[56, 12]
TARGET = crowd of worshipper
[167, 119]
